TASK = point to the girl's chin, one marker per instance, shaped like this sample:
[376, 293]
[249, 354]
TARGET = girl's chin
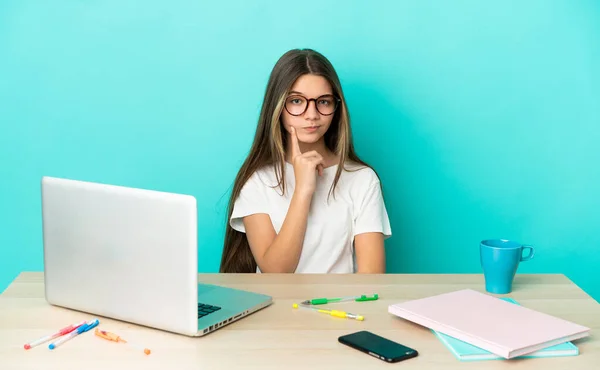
[309, 139]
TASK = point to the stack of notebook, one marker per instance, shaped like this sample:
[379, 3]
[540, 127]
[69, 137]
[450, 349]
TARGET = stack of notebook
[468, 352]
[477, 326]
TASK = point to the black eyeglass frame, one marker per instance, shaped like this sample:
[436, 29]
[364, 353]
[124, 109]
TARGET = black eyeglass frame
[336, 100]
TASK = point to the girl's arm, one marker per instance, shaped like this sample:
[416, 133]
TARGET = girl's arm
[279, 252]
[370, 253]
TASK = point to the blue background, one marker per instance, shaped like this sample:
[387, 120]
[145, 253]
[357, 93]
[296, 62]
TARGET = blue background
[481, 117]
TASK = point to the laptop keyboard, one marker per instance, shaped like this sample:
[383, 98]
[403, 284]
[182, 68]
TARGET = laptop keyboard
[206, 309]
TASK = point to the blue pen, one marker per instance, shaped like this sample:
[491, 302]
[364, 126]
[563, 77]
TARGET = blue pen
[82, 329]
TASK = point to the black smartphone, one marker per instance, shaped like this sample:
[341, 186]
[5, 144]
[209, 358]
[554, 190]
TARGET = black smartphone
[378, 347]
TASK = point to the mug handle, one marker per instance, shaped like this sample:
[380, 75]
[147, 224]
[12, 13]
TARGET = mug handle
[530, 255]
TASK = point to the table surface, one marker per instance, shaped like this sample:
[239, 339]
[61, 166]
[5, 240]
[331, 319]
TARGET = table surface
[279, 337]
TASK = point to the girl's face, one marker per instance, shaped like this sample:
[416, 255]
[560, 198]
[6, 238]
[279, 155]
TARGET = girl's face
[310, 118]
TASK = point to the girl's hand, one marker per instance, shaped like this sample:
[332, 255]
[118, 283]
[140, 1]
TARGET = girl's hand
[306, 166]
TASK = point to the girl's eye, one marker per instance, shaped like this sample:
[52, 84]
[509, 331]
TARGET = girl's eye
[324, 102]
[296, 101]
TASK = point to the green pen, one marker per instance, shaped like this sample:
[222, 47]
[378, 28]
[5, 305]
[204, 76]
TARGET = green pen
[357, 298]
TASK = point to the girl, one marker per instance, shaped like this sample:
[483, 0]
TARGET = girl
[303, 201]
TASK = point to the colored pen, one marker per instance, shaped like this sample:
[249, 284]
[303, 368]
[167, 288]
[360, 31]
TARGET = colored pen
[61, 332]
[82, 329]
[357, 298]
[116, 338]
[335, 313]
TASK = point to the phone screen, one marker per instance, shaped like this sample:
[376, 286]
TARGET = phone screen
[378, 347]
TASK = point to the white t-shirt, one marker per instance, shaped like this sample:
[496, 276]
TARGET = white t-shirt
[332, 224]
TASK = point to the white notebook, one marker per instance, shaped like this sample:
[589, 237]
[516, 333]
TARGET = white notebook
[503, 328]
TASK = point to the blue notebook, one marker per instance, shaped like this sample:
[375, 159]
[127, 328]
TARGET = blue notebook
[467, 352]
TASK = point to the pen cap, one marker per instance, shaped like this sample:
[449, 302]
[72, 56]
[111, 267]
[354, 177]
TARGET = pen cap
[88, 326]
[364, 298]
[107, 335]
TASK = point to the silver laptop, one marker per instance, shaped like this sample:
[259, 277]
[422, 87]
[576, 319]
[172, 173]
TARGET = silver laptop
[132, 255]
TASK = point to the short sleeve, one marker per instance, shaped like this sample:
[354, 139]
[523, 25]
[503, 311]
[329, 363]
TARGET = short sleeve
[372, 214]
[251, 200]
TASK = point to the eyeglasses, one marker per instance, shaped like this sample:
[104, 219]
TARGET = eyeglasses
[296, 105]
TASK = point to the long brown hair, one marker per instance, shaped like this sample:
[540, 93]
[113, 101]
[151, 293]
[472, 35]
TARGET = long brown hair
[268, 148]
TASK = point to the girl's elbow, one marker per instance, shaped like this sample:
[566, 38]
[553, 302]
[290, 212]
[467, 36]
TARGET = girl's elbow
[276, 268]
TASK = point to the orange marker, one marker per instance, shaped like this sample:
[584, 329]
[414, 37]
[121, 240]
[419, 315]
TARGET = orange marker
[115, 338]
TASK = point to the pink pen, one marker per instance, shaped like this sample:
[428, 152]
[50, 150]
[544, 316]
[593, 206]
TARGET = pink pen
[61, 332]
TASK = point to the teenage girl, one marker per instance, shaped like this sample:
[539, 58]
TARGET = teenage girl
[303, 201]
